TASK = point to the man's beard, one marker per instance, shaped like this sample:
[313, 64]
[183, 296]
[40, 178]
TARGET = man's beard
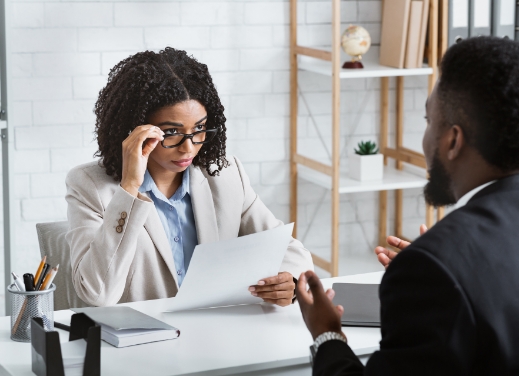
[438, 192]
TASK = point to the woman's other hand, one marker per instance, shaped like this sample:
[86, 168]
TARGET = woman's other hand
[278, 290]
[385, 256]
[136, 150]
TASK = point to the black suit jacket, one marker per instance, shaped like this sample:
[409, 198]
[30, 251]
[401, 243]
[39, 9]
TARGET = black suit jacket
[449, 301]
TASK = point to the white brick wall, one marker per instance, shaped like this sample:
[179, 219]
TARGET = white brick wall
[63, 51]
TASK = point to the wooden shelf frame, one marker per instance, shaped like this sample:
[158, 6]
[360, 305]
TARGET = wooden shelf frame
[437, 29]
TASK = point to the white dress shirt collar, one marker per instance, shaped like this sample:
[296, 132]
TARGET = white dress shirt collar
[467, 196]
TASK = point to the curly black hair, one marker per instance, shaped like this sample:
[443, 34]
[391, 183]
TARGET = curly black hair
[145, 82]
[479, 91]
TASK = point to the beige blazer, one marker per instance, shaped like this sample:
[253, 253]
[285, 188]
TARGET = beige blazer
[119, 250]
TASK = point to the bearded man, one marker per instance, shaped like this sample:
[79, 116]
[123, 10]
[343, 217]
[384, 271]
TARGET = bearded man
[450, 300]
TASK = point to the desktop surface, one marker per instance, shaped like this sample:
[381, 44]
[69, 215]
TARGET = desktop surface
[217, 341]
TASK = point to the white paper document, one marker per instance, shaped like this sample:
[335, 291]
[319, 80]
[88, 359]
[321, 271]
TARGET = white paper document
[73, 354]
[220, 273]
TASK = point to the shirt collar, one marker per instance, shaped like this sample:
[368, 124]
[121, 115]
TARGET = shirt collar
[467, 196]
[184, 187]
[148, 185]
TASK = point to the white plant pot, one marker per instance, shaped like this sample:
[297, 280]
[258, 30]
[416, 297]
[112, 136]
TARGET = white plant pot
[366, 167]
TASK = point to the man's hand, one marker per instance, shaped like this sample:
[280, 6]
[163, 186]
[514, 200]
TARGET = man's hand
[276, 290]
[317, 308]
[385, 256]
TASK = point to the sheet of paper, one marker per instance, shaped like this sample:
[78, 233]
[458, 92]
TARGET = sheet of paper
[73, 353]
[220, 273]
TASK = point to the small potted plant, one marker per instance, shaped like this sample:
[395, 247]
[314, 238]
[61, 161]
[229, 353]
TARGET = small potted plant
[366, 163]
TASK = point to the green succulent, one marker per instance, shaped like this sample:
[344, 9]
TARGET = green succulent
[366, 148]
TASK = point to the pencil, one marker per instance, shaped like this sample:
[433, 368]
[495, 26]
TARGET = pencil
[40, 268]
[49, 278]
[46, 269]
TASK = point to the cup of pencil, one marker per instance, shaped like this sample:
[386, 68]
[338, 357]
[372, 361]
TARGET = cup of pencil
[34, 297]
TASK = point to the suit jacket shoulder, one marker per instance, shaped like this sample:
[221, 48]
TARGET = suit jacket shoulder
[92, 182]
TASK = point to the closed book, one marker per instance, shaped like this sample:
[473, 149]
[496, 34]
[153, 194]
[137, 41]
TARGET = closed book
[423, 33]
[360, 302]
[395, 22]
[125, 326]
[413, 34]
[131, 337]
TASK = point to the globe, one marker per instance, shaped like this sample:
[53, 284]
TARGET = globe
[355, 41]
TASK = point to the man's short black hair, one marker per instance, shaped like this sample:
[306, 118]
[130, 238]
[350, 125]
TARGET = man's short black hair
[479, 91]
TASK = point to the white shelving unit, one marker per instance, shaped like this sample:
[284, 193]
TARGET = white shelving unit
[330, 176]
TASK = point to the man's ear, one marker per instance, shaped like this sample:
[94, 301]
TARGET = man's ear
[456, 142]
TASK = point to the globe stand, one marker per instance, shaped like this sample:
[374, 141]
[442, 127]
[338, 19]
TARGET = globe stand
[352, 65]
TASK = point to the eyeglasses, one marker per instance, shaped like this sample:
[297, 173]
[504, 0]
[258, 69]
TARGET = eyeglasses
[197, 138]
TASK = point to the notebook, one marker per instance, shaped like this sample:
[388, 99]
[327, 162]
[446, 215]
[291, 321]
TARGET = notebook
[423, 34]
[393, 36]
[361, 303]
[125, 326]
[413, 34]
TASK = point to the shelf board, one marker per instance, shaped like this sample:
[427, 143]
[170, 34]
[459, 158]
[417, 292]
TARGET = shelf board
[371, 69]
[393, 179]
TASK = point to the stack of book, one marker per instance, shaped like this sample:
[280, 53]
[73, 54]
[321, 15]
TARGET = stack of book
[404, 28]
[125, 326]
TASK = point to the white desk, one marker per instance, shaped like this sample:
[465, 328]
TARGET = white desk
[256, 339]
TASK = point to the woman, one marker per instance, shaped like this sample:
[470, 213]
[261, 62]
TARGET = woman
[163, 185]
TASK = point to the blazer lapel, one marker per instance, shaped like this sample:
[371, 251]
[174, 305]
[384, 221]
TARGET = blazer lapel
[203, 207]
[158, 236]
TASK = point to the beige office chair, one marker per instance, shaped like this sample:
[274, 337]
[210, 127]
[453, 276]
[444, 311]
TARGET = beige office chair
[53, 244]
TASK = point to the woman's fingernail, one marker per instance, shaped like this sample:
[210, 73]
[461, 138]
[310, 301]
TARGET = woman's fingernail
[261, 283]
[252, 288]
[254, 294]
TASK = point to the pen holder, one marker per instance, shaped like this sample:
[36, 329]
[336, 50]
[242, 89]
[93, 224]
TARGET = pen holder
[25, 305]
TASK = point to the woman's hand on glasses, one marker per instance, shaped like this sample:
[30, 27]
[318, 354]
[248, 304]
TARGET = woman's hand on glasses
[136, 151]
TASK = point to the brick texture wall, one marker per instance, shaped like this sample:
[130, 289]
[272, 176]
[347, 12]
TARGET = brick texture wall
[62, 51]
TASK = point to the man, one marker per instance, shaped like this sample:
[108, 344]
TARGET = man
[450, 300]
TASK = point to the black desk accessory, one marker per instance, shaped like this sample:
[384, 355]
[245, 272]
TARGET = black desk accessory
[46, 349]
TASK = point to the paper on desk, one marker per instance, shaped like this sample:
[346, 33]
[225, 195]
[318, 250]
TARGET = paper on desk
[73, 354]
[220, 273]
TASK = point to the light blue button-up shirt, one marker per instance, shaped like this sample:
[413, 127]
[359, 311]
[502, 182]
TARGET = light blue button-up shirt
[176, 215]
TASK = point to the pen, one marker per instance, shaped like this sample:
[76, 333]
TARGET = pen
[18, 282]
[44, 272]
[49, 278]
[28, 280]
[39, 270]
